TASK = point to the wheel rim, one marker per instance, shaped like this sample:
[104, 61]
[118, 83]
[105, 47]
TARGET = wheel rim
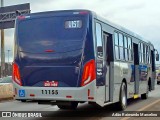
[124, 98]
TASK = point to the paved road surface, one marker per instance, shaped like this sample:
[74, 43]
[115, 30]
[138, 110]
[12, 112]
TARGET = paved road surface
[84, 111]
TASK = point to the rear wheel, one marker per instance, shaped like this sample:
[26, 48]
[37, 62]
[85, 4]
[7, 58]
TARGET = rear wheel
[145, 95]
[73, 105]
[122, 97]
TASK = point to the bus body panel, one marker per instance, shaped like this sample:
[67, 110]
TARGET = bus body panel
[122, 71]
[61, 93]
[67, 68]
[64, 64]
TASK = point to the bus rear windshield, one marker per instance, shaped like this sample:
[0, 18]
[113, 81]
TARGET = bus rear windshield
[60, 34]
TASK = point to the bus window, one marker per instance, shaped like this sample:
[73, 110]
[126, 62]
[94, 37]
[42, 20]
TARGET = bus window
[140, 56]
[129, 43]
[126, 49]
[121, 46]
[142, 60]
[116, 39]
[99, 40]
[126, 54]
[125, 42]
[116, 52]
[130, 48]
[144, 55]
[120, 40]
[116, 42]
[149, 54]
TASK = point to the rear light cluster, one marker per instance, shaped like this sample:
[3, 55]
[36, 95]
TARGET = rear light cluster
[81, 12]
[89, 73]
[16, 74]
[21, 17]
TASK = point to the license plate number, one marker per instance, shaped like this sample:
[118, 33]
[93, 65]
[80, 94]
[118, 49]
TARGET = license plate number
[50, 92]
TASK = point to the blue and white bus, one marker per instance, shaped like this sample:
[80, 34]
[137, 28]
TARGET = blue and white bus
[75, 56]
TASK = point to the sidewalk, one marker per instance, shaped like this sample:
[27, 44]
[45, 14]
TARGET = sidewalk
[6, 92]
[6, 99]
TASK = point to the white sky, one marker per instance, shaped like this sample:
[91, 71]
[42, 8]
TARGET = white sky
[139, 16]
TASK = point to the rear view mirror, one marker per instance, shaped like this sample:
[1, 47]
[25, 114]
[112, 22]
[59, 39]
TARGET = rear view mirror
[157, 57]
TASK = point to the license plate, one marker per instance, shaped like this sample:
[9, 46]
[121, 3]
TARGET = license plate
[51, 83]
[49, 92]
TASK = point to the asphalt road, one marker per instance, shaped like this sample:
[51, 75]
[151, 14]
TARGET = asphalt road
[84, 111]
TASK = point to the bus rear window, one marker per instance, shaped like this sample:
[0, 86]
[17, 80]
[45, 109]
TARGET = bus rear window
[60, 34]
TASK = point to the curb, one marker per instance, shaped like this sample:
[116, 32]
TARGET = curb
[6, 99]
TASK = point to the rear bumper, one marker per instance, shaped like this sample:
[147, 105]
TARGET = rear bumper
[64, 93]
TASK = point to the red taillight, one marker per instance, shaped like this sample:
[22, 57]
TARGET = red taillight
[68, 96]
[49, 50]
[21, 17]
[83, 12]
[16, 74]
[32, 95]
[89, 73]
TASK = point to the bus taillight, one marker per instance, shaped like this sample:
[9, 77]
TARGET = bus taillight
[83, 12]
[21, 17]
[16, 74]
[89, 73]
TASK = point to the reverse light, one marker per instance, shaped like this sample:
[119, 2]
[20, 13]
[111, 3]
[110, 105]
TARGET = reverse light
[16, 74]
[89, 73]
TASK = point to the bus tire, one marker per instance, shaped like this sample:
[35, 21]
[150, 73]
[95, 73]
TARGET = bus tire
[122, 97]
[145, 95]
[72, 106]
[23, 100]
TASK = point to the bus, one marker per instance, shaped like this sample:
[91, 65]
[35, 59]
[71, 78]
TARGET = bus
[69, 57]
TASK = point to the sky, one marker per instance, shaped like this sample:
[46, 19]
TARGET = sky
[139, 16]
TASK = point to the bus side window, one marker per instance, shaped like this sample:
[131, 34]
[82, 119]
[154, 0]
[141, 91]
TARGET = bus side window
[130, 48]
[142, 60]
[121, 47]
[144, 53]
[149, 54]
[116, 44]
[126, 48]
[140, 56]
[99, 40]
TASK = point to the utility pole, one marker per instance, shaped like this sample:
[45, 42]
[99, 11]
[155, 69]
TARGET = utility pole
[2, 49]
[8, 66]
[8, 55]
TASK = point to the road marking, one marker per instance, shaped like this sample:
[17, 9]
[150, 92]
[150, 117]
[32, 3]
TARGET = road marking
[136, 96]
[143, 108]
[149, 105]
